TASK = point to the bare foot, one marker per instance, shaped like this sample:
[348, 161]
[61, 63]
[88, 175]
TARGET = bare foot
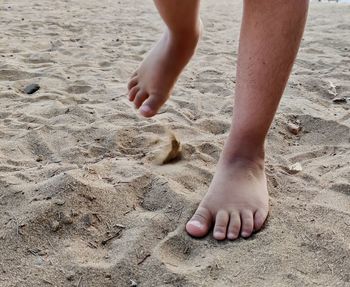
[152, 83]
[236, 203]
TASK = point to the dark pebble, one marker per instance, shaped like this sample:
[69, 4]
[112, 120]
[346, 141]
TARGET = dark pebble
[31, 89]
[70, 276]
[339, 100]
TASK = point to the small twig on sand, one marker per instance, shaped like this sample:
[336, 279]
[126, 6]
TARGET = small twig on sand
[122, 182]
[50, 244]
[14, 218]
[120, 226]
[104, 242]
[236, 275]
[143, 259]
[301, 271]
[33, 252]
[330, 268]
[92, 245]
[99, 218]
[127, 212]
[48, 282]
[81, 278]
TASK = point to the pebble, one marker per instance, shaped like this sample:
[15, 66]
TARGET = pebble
[70, 276]
[60, 202]
[31, 89]
[339, 100]
[293, 128]
[66, 218]
[55, 225]
[133, 283]
[295, 168]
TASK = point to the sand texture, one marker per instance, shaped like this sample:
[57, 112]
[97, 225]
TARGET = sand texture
[83, 198]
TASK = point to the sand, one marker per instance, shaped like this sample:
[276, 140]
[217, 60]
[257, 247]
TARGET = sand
[83, 201]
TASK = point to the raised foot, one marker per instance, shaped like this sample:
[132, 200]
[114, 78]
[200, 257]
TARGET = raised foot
[236, 202]
[151, 85]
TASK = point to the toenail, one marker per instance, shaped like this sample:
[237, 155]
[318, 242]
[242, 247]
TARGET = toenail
[218, 235]
[197, 224]
[231, 236]
[146, 109]
[245, 234]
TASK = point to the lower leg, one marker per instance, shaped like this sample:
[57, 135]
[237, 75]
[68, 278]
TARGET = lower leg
[154, 80]
[237, 200]
[270, 37]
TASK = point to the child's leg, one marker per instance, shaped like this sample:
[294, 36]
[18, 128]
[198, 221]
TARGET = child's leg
[152, 83]
[237, 200]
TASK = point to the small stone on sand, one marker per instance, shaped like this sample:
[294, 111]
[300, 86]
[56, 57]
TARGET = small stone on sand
[295, 168]
[55, 225]
[339, 100]
[31, 89]
[60, 202]
[70, 276]
[293, 128]
[66, 218]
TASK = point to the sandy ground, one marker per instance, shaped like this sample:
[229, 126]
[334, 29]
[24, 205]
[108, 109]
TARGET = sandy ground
[82, 202]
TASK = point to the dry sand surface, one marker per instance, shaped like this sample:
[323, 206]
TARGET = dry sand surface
[82, 202]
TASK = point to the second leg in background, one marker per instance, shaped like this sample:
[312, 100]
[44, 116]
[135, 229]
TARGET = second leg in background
[151, 85]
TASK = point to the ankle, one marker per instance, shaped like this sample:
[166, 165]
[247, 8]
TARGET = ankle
[245, 150]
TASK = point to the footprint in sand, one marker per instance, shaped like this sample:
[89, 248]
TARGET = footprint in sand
[181, 254]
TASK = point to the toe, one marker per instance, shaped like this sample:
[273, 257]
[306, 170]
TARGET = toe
[234, 226]
[199, 224]
[133, 92]
[221, 222]
[132, 83]
[151, 106]
[259, 219]
[247, 223]
[140, 97]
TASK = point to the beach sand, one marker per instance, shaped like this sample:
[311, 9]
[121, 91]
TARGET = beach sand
[83, 201]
